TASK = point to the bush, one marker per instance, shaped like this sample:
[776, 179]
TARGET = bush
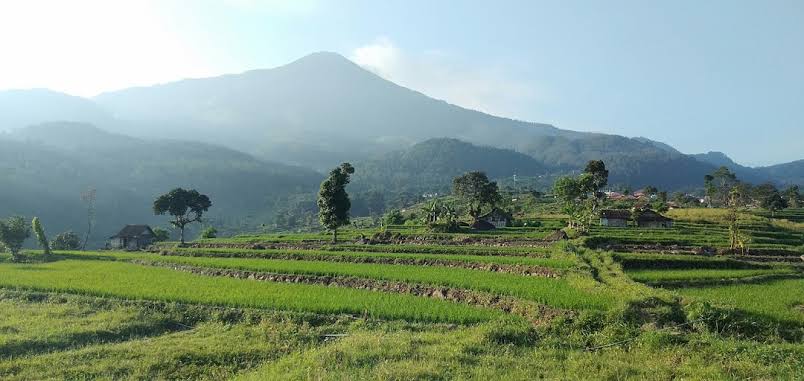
[209, 232]
[161, 235]
[66, 241]
[393, 217]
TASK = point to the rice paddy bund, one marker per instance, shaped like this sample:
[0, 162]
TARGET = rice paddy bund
[508, 304]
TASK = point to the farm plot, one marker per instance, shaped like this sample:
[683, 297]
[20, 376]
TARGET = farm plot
[560, 293]
[768, 292]
[125, 280]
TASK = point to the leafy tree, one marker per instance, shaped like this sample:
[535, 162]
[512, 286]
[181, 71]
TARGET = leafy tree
[186, 207]
[40, 235]
[13, 233]
[710, 190]
[66, 241]
[571, 193]
[663, 197]
[793, 196]
[476, 189]
[209, 232]
[333, 201]
[773, 202]
[650, 190]
[720, 184]
[600, 175]
[394, 217]
[161, 235]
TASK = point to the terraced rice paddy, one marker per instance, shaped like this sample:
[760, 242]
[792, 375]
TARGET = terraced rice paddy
[504, 306]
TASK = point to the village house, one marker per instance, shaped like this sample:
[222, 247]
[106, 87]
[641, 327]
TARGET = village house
[650, 219]
[615, 217]
[132, 237]
[646, 218]
[496, 218]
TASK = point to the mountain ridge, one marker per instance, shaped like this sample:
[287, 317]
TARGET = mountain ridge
[323, 109]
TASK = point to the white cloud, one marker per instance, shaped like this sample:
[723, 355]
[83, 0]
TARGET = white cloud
[436, 74]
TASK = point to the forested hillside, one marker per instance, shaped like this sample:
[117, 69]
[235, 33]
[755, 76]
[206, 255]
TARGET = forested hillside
[45, 168]
[431, 165]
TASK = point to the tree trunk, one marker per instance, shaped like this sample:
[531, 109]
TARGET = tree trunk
[335, 235]
[182, 234]
[89, 230]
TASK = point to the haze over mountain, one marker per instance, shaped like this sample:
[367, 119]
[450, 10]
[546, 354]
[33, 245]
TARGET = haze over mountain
[323, 109]
[44, 169]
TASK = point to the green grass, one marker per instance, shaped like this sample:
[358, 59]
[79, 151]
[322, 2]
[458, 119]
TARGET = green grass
[29, 327]
[778, 299]
[210, 351]
[447, 249]
[706, 227]
[357, 256]
[124, 280]
[553, 292]
[467, 354]
[632, 261]
[658, 276]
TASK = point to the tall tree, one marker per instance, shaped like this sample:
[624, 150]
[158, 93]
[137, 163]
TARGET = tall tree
[793, 196]
[186, 207]
[89, 197]
[333, 201]
[13, 233]
[569, 191]
[40, 236]
[773, 202]
[600, 175]
[477, 191]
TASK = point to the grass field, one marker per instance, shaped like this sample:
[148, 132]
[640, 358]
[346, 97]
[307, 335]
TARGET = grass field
[140, 282]
[317, 310]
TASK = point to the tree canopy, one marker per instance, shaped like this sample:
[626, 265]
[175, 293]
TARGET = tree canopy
[186, 206]
[476, 189]
[13, 233]
[333, 201]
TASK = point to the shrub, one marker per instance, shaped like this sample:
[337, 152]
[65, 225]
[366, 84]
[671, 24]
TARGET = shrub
[209, 232]
[393, 217]
[66, 241]
[161, 235]
[13, 233]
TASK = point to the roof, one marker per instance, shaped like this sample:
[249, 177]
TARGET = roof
[649, 215]
[495, 213]
[616, 214]
[482, 225]
[133, 231]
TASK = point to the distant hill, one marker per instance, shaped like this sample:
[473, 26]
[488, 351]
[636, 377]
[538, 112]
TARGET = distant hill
[21, 108]
[787, 173]
[323, 109]
[44, 168]
[431, 165]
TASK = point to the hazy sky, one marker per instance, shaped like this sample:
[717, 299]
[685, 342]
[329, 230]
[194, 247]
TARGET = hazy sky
[699, 75]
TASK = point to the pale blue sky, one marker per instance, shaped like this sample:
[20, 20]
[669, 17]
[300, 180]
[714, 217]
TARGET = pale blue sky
[699, 75]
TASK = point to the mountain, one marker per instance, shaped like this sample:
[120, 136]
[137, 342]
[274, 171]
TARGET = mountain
[21, 108]
[323, 109]
[431, 165]
[791, 173]
[315, 111]
[44, 169]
